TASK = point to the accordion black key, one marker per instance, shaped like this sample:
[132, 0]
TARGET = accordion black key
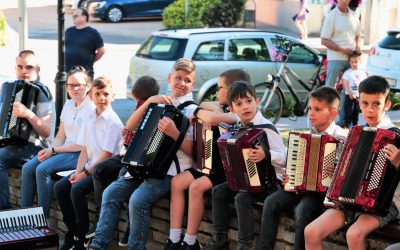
[151, 152]
[13, 130]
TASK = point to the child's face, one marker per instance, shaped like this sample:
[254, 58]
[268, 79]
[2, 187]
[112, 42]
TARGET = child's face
[245, 108]
[373, 107]
[77, 87]
[355, 62]
[181, 82]
[102, 98]
[320, 114]
[222, 91]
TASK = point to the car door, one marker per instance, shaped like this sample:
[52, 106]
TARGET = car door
[209, 60]
[135, 7]
[250, 53]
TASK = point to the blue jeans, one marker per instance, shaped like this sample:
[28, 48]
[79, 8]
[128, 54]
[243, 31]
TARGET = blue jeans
[349, 111]
[333, 71]
[37, 175]
[114, 197]
[307, 207]
[244, 203]
[11, 156]
[73, 203]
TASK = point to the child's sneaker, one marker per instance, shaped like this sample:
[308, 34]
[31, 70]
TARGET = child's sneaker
[123, 242]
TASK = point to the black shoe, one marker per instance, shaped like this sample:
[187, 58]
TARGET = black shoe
[79, 243]
[185, 246]
[172, 246]
[223, 245]
[91, 232]
[123, 242]
[68, 241]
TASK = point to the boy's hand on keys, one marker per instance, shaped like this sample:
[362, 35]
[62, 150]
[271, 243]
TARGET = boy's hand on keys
[167, 126]
[256, 154]
[160, 99]
[285, 179]
[393, 155]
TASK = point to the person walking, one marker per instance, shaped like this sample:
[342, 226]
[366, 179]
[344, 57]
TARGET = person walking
[300, 19]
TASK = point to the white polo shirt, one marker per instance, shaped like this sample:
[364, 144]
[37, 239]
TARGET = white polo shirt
[73, 118]
[342, 29]
[354, 77]
[333, 130]
[101, 133]
[276, 147]
[185, 161]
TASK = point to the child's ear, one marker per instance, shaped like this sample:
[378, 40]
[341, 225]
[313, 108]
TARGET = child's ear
[388, 103]
[257, 101]
[169, 78]
[333, 114]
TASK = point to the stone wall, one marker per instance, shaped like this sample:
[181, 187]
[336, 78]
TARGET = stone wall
[160, 224]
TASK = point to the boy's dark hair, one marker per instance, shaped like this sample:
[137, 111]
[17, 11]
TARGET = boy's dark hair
[101, 82]
[327, 94]
[234, 75]
[374, 85]
[145, 87]
[85, 13]
[240, 89]
[354, 55]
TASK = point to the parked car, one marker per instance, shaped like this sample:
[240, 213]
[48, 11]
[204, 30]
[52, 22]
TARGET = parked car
[216, 50]
[383, 58]
[115, 10]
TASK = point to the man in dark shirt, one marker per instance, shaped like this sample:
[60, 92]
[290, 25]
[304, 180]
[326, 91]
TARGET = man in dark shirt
[83, 44]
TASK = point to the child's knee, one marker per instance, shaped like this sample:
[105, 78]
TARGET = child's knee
[312, 233]
[354, 235]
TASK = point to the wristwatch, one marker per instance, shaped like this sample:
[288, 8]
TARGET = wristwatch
[53, 151]
[86, 172]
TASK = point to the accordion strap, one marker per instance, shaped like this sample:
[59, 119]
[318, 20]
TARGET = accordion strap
[267, 126]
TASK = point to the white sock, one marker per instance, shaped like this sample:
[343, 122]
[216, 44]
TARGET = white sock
[190, 239]
[175, 234]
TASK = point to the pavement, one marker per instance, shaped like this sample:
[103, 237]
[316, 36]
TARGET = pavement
[115, 63]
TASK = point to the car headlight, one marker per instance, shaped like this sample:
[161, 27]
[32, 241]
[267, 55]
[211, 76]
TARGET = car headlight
[100, 4]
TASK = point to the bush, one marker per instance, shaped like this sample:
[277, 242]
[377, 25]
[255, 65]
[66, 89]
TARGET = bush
[3, 24]
[212, 13]
[395, 99]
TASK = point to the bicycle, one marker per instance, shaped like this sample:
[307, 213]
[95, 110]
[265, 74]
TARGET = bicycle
[272, 99]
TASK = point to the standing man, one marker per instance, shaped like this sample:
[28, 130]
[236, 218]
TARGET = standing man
[83, 44]
[340, 33]
[40, 118]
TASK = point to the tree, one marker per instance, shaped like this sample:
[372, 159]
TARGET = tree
[224, 13]
[3, 25]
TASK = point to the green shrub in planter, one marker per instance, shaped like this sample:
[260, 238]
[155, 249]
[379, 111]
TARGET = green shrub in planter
[174, 14]
[3, 25]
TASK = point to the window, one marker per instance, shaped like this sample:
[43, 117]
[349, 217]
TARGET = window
[391, 41]
[210, 51]
[299, 54]
[162, 48]
[249, 49]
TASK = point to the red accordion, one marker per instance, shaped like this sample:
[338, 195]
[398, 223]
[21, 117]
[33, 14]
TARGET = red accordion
[311, 160]
[364, 177]
[242, 174]
[206, 154]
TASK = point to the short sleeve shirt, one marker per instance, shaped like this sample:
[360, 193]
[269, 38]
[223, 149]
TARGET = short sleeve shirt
[354, 77]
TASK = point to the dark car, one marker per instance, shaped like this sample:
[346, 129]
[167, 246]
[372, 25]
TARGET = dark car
[115, 10]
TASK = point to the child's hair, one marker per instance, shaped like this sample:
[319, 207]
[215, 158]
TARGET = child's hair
[184, 64]
[354, 55]
[101, 82]
[374, 85]
[234, 75]
[145, 87]
[25, 52]
[240, 89]
[327, 94]
[80, 69]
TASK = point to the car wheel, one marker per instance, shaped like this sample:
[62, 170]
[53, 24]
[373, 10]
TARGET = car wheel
[211, 95]
[114, 14]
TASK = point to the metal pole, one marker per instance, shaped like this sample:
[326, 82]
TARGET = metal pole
[186, 11]
[22, 24]
[61, 76]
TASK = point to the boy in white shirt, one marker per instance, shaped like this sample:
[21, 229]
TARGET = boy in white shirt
[99, 139]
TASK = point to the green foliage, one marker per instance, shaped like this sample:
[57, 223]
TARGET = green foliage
[224, 13]
[3, 25]
[289, 106]
[395, 99]
[174, 14]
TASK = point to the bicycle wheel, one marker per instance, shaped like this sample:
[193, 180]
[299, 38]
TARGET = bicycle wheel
[273, 110]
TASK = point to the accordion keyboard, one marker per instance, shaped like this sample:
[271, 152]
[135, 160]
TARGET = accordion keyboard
[251, 168]
[297, 152]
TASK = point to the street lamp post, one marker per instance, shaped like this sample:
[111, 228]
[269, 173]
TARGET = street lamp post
[61, 76]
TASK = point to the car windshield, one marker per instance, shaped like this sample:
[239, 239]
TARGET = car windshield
[391, 41]
[162, 48]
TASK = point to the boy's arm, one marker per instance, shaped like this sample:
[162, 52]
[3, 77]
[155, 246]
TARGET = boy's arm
[277, 150]
[82, 160]
[393, 155]
[42, 125]
[346, 86]
[137, 115]
[167, 126]
[213, 118]
[211, 106]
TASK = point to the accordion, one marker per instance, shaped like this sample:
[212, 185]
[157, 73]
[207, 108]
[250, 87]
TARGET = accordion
[25, 229]
[242, 174]
[151, 152]
[364, 177]
[311, 161]
[206, 153]
[13, 130]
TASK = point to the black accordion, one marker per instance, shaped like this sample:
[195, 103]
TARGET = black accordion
[16, 131]
[25, 229]
[364, 176]
[151, 152]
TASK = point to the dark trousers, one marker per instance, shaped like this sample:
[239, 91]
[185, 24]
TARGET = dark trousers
[351, 111]
[73, 203]
[307, 207]
[103, 174]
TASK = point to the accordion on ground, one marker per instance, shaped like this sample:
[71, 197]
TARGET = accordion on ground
[311, 161]
[151, 152]
[25, 229]
[206, 153]
[242, 174]
[364, 177]
[16, 131]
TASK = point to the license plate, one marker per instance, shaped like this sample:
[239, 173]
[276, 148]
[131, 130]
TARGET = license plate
[392, 82]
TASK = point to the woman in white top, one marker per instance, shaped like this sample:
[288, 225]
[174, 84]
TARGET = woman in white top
[63, 152]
